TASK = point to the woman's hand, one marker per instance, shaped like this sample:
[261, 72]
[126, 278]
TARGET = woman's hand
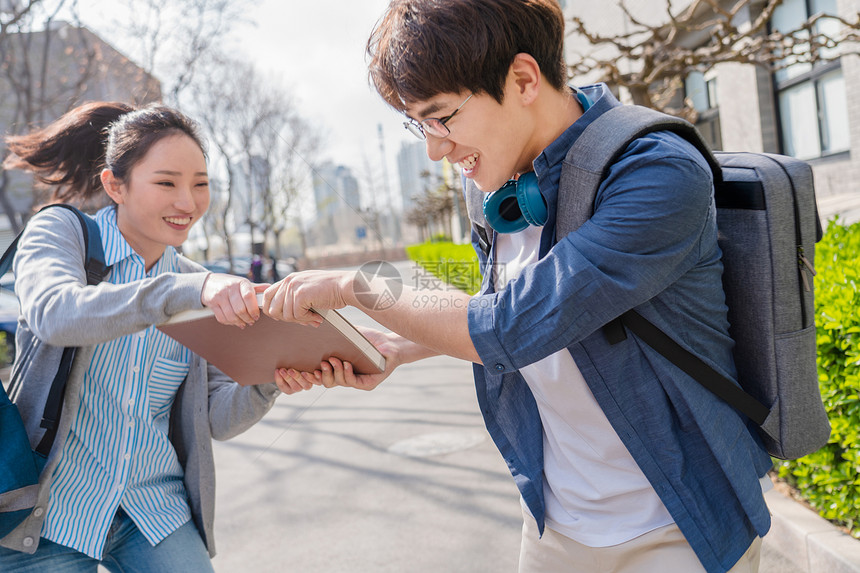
[334, 372]
[233, 299]
[289, 385]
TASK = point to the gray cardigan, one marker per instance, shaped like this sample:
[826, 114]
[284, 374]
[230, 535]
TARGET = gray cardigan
[58, 309]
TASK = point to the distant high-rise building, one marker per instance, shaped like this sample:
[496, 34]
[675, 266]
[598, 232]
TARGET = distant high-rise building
[412, 162]
[250, 180]
[335, 189]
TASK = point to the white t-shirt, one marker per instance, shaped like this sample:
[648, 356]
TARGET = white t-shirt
[595, 492]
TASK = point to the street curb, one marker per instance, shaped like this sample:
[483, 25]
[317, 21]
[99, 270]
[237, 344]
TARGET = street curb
[811, 542]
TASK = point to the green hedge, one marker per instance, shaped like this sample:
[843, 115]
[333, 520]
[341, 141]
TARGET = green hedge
[6, 354]
[829, 479]
[456, 265]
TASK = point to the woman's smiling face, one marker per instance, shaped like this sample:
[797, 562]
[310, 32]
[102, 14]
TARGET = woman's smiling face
[167, 191]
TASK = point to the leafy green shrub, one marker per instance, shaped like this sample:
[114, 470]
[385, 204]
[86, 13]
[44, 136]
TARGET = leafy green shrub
[829, 479]
[440, 238]
[6, 352]
[456, 265]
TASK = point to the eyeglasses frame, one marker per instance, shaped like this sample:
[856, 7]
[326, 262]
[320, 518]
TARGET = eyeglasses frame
[418, 128]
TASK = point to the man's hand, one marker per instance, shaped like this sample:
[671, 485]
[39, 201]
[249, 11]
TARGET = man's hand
[293, 298]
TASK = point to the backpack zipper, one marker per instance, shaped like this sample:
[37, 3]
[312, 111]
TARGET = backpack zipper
[805, 266]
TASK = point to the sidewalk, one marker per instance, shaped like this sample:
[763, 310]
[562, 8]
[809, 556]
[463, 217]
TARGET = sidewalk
[846, 205]
[330, 482]
[405, 478]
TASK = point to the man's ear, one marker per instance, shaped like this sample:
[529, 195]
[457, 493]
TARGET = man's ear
[112, 186]
[525, 73]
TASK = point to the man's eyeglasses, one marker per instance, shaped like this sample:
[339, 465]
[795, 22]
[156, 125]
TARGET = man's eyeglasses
[433, 126]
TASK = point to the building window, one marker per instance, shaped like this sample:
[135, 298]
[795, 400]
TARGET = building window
[701, 91]
[811, 98]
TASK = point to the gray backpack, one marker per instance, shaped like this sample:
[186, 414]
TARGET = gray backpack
[768, 225]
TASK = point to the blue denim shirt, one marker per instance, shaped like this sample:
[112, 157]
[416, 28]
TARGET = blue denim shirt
[650, 244]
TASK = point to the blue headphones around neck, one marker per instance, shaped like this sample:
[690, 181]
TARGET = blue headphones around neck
[516, 205]
[519, 203]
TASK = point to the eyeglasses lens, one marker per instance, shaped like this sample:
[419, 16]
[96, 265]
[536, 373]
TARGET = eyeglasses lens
[414, 129]
[435, 128]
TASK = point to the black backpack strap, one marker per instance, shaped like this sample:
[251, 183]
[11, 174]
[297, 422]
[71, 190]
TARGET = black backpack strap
[94, 265]
[694, 366]
[54, 403]
[94, 261]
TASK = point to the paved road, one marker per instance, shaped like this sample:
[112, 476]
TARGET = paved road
[319, 486]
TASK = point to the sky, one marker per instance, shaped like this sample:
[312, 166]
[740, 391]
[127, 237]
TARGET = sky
[316, 49]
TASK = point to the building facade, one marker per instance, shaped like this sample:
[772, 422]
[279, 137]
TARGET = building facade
[803, 110]
[415, 171]
[43, 75]
[340, 219]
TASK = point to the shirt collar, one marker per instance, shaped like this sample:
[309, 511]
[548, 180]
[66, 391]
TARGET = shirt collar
[548, 164]
[556, 151]
[117, 249]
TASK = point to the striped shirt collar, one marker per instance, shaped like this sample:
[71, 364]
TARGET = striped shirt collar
[117, 249]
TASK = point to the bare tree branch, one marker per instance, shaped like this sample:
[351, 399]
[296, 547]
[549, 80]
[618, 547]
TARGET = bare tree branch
[45, 68]
[656, 60]
[173, 37]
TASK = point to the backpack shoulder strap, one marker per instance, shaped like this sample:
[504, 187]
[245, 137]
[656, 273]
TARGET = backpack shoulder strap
[600, 145]
[475, 209]
[94, 265]
[94, 259]
[585, 167]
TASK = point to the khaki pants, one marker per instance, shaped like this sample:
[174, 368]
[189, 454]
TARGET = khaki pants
[663, 550]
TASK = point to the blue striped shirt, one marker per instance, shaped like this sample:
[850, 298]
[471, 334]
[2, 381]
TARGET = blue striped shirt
[118, 452]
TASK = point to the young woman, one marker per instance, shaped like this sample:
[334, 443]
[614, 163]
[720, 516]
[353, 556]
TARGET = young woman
[130, 481]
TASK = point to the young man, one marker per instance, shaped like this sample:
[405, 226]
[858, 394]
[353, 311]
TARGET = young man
[624, 463]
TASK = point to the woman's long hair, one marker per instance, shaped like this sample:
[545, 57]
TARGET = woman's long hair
[69, 154]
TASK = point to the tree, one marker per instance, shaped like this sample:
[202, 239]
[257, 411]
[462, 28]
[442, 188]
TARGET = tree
[222, 97]
[45, 67]
[290, 147]
[12, 13]
[263, 149]
[652, 60]
[172, 38]
[435, 207]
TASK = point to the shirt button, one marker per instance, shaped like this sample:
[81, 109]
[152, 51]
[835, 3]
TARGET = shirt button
[136, 369]
[131, 423]
[38, 512]
[131, 402]
[28, 542]
[127, 457]
[500, 367]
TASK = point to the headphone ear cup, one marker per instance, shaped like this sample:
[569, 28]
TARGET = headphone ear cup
[502, 210]
[530, 200]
